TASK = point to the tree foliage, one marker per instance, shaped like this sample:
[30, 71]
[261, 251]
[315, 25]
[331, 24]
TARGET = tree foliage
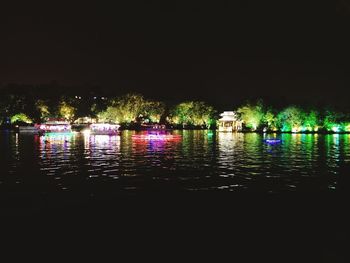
[252, 115]
[311, 121]
[153, 111]
[131, 108]
[123, 109]
[270, 120]
[21, 117]
[43, 109]
[195, 113]
[66, 110]
[291, 119]
[22, 106]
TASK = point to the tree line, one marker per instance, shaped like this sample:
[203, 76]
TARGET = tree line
[134, 109]
[129, 110]
[259, 117]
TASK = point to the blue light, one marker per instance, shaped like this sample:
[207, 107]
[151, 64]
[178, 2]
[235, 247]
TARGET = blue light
[273, 141]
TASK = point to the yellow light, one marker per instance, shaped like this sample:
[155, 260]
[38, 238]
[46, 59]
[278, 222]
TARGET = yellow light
[86, 132]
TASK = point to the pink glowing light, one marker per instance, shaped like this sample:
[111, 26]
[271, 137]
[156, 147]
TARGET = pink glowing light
[55, 128]
[55, 125]
[156, 137]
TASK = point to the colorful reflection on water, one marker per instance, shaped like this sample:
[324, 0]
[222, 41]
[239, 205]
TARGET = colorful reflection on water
[101, 141]
[194, 160]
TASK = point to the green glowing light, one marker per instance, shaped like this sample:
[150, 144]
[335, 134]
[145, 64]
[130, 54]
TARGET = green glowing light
[21, 117]
[59, 134]
[252, 115]
[335, 128]
[195, 113]
[295, 129]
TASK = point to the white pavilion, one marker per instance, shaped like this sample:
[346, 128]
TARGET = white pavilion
[229, 122]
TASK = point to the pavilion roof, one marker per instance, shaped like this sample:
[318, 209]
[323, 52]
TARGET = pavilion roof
[229, 116]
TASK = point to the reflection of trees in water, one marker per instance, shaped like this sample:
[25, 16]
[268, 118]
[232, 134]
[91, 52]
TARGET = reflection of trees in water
[126, 143]
[337, 150]
[298, 148]
[314, 154]
[197, 143]
[347, 147]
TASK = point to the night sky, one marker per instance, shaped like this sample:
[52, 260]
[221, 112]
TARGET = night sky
[221, 52]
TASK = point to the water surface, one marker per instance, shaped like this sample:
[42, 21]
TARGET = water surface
[199, 161]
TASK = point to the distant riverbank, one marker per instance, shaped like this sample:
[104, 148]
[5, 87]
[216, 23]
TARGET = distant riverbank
[80, 128]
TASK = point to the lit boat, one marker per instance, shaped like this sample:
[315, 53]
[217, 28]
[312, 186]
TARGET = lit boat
[155, 132]
[104, 129]
[273, 141]
[55, 125]
[156, 137]
[153, 127]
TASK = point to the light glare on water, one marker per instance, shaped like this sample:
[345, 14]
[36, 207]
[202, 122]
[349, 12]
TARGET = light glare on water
[199, 160]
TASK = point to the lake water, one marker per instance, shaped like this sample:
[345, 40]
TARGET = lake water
[197, 161]
[75, 168]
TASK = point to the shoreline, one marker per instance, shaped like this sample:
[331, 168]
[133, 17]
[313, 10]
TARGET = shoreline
[15, 130]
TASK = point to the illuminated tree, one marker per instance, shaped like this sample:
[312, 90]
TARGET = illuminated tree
[311, 121]
[180, 114]
[347, 127]
[43, 109]
[111, 114]
[125, 109]
[271, 120]
[291, 119]
[20, 117]
[67, 110]
[153, 111]
[14, 103]
[97, 108]
[335, 121]
[203, 114]
[192, 113]
[252, 115]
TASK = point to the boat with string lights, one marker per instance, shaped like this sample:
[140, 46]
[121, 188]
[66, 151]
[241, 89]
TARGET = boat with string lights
[54, 126]
[104, 129]
[153, 127]
[156, 133]
[156, 137]
[273, 141]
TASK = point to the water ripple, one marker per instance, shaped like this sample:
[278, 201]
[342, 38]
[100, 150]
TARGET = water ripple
[225, 161]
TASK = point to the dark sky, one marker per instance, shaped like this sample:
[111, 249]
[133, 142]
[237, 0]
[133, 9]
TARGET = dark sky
[222, 52]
